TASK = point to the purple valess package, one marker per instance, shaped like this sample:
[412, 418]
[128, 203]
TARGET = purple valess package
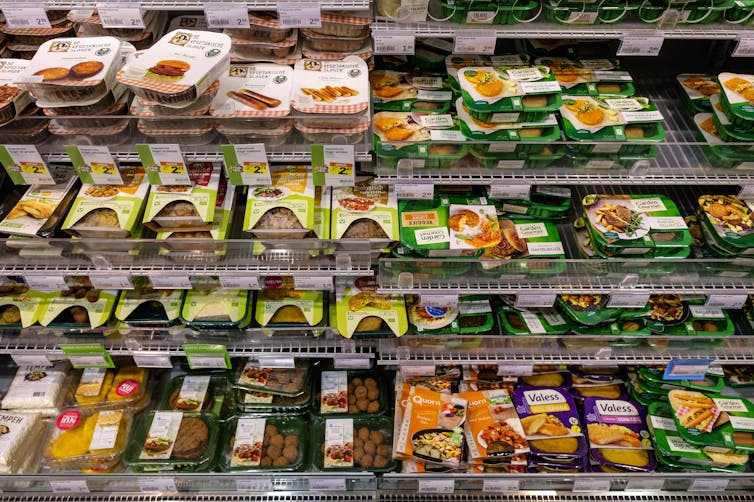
[550, 422]
[618, 435]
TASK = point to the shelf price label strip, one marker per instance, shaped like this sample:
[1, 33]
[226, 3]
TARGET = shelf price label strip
[25, 165]
[27, 15]
[94, 165]
[299, 14]
[226, 14]
[122, 14]
[205, 355]
[247, 164]
[87, 355]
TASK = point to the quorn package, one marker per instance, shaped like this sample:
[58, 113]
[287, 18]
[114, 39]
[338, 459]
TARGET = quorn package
[23, 435]
[256, 90]
[284, 210]
[37, 389]
[340, 86]
[184, 208]
[289, 307]
[108, 211]
[360, 310]
[278, 443]
[365, 211]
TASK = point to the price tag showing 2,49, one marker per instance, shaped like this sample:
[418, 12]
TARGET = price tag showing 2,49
[25, 165]
[474, 43]
[28, 15]
[640, 46]
[95, 165]
[120, 14]
[299, 14]
[247, 164]
[334, 165]
[226, 14]
[164, 164]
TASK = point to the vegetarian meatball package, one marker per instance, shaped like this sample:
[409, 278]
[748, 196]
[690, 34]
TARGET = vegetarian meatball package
[493, 430]
[71, 309]
[21, 309]
[366, 210]
[109, 211]
[283, 210]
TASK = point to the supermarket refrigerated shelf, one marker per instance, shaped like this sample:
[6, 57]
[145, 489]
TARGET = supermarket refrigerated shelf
[192, 5]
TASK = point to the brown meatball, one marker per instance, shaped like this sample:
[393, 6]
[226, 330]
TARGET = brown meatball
[363, 433]
[373, 407]
[362, 404]
[370, 447]
[366, 461]
[356, 382]
[360, 392]
[270, 430]
[277, 440]
[266, 462]
[353, 410]
[357, 454]
[377, 437]
[380, 461]
[274, 451]
[351, 399]
[358, 443]
[280, 462]
[383, 450]
[373, 393]
[290, 452]
[291, 440]
[370, 383]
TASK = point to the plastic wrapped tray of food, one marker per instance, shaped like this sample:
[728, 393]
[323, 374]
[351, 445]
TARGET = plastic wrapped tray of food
[256, 33]
[271, 138]
[196, 392]
[262, 402]
[350, 24]
[350, 136]
[352, 444]
[87, 121]
[266, 444]
[293, 382]
[204, 100]
[36, 389]
[186, 135]
[116, 134]
[13, 99]
[22, 441]
[350, 394]
[325, 43]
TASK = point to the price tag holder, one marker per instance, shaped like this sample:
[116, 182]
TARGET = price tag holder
[94, 165]
[519, 192]
[417, 191]
[416, 370]
[170, 281]
[30, 15]
[25, 165]
[442, 301]
[206, 356]
[162, 485]
[87, 355]
[276, 362]
[145, 359]
[746, 192]
[591, 485]
[436, 486]
[687, 369]
[334, 165]
[69, 486]
[164, 164]
[111, 280]
[628, 300]
[500, 485]
[313, 283]
[535, 300]
[394, 42]
[645, 484]
[471, 42]
[51, 283]
[708, 485]
[239, 281]
[327, 484]
[640, 46]
[515, 369]
[744, 48]
[120, 14]
[254, 485]
[31, 360]
[726, 301]
[299, 14]
[352, 363]
[226, 14]
[247, 164]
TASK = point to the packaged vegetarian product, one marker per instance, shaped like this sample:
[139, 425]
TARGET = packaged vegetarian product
[289, 307]
[277, 381]
[589, 77]
[198, 392]
[22, 435]
[13, 99]
[350, 393]
[697, 90]
[473, 315]
[344, 23]
[149, 307]
[586, 309]
[257, 90]
[340, 86]
[88, 309]
[402, 91]
[366, 210]
[509, 88]
[173, 441]
[544, 321]
[322, 211]
[545, 128]
[21, 309]
[728, 221]
[522, 238]
[265, 403]
[177, 69]
[216, 308]
[37, 389]
[360, 310]
[352, 444]
[264, 444]
[736, 98]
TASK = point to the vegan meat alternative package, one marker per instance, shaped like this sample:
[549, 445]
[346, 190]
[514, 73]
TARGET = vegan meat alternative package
[177, 69]
[199, 393]
[352, 444]
[492, 429]
[365, 210]
[509, 88]
[544, 129]
[289, 307]
[588, 310]
[13, 99]
[21, 309]
[727, 130]
[146, 306]
[62, 310]
[551, 422]
[360, 310]
[69, 70]
[38, 389]
[289, 382]
[431, 427]
[340, 86]
[216, 309]
[544, 321]
[266, 403]
[729, 220]
[173, 441]
[264, 444]
[715, 422]
[108, 211]
[399, 91]
[284, 210]
[257, 90]
[350, 393]
[456, 62]
[23, 433]
[523, 238]
[40, 209]
[92, 440]
[473, 315]
[180, 208]
[737, 97]
[589, 77]
[697, 89]
[103, 388]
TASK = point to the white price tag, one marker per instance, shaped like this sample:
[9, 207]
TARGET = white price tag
[111, 280]
[515, 369]
[591, 485]
[726, 301]
[170, 281]
[239, 282]
[534, 300]
[299, 14]
[208, 361]
[254, 485]
[276, 362]
[120, 14]
[69, 486]
[708, 485]
[443, 301]
[394, 42]
[25, 162]
[500, 485]
[645, 484]
[162, 485]
[640, 46]
[416, 370]
[340, 165]
[150, 360]
[31, 360]
[436, 486]
[25, 16]
[313, 283]
[88, 361]
[519, 192]
[349, 363]
[51, 282]
[327, 484]
[164, 164]
[445, 135]
[744, 48]
[250, 165]
[747, 192]
[226, 14]
[95, 165]
[628, 300]
[474, 43]
[422, 191]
